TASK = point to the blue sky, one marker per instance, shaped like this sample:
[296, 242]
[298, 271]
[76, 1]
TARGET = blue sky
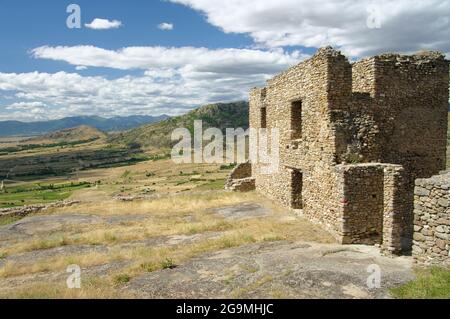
[28, 24]
[214, 51]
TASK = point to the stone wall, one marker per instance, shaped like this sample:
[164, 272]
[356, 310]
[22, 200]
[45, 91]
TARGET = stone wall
[381, 111]
[32, 209]
[397, 210]
[432, 220]
[314, 153]
[240, 179]
[412, 98]
[362, 203]
[375, 205]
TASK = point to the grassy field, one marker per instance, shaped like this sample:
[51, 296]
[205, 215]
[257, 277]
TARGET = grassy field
[432, 283]
[35, 193]
[173, 217]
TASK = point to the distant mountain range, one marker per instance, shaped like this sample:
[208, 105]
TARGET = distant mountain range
[70, 135]
[16, 128]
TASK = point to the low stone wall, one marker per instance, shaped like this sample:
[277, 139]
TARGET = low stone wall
[243, 170]
[240, 179]
[242, 185]
[397, 211]
[32, 209]
[431, 243]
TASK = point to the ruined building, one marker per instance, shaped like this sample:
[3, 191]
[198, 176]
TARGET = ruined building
[354, 138]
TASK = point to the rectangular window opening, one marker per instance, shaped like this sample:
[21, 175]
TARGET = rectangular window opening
[297, 189]
[296, 120]
[263, 117]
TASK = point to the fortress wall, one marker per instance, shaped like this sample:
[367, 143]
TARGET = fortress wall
[432, 220]
[412, 99]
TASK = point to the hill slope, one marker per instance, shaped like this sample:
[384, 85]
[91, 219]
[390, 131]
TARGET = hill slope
[16, 128]
[158, 135]
[71, 135]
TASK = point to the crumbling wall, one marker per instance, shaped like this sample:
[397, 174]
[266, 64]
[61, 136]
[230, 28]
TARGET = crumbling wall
[243, 170]
[240, 179]
[24, 211]
[412, 98]
[432, 220]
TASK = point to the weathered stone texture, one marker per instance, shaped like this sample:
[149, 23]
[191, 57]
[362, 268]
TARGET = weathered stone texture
[240, 179]
[432, 220]
[353, 138]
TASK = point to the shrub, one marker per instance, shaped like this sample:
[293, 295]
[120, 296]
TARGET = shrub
[168, 264]
[122, 279]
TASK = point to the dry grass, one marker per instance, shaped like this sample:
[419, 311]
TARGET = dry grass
[166, 218]
[187, 214]
[56, 263]
[93, 288]
[166, 206]
[150, 259]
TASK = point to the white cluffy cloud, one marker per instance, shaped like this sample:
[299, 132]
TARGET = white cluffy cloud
[165, 26]
[173, 80]
[25, 106]
[222, 61]
[358, 27]
[103, 24]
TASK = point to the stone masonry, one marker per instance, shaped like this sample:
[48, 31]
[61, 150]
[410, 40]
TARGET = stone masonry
[353, 139]
[432, 220]
[241, 179]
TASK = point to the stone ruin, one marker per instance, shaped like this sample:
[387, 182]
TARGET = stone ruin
[354, 137]
[240, 179]
[432, 220]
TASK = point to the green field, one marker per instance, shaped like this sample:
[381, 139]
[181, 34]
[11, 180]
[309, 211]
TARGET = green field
[38, 194]
[432, 283]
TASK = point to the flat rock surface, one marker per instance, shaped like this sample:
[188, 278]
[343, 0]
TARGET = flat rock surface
[58, 277]
[44, 224]
[277, 270]
[241, 211]
[50, 224]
